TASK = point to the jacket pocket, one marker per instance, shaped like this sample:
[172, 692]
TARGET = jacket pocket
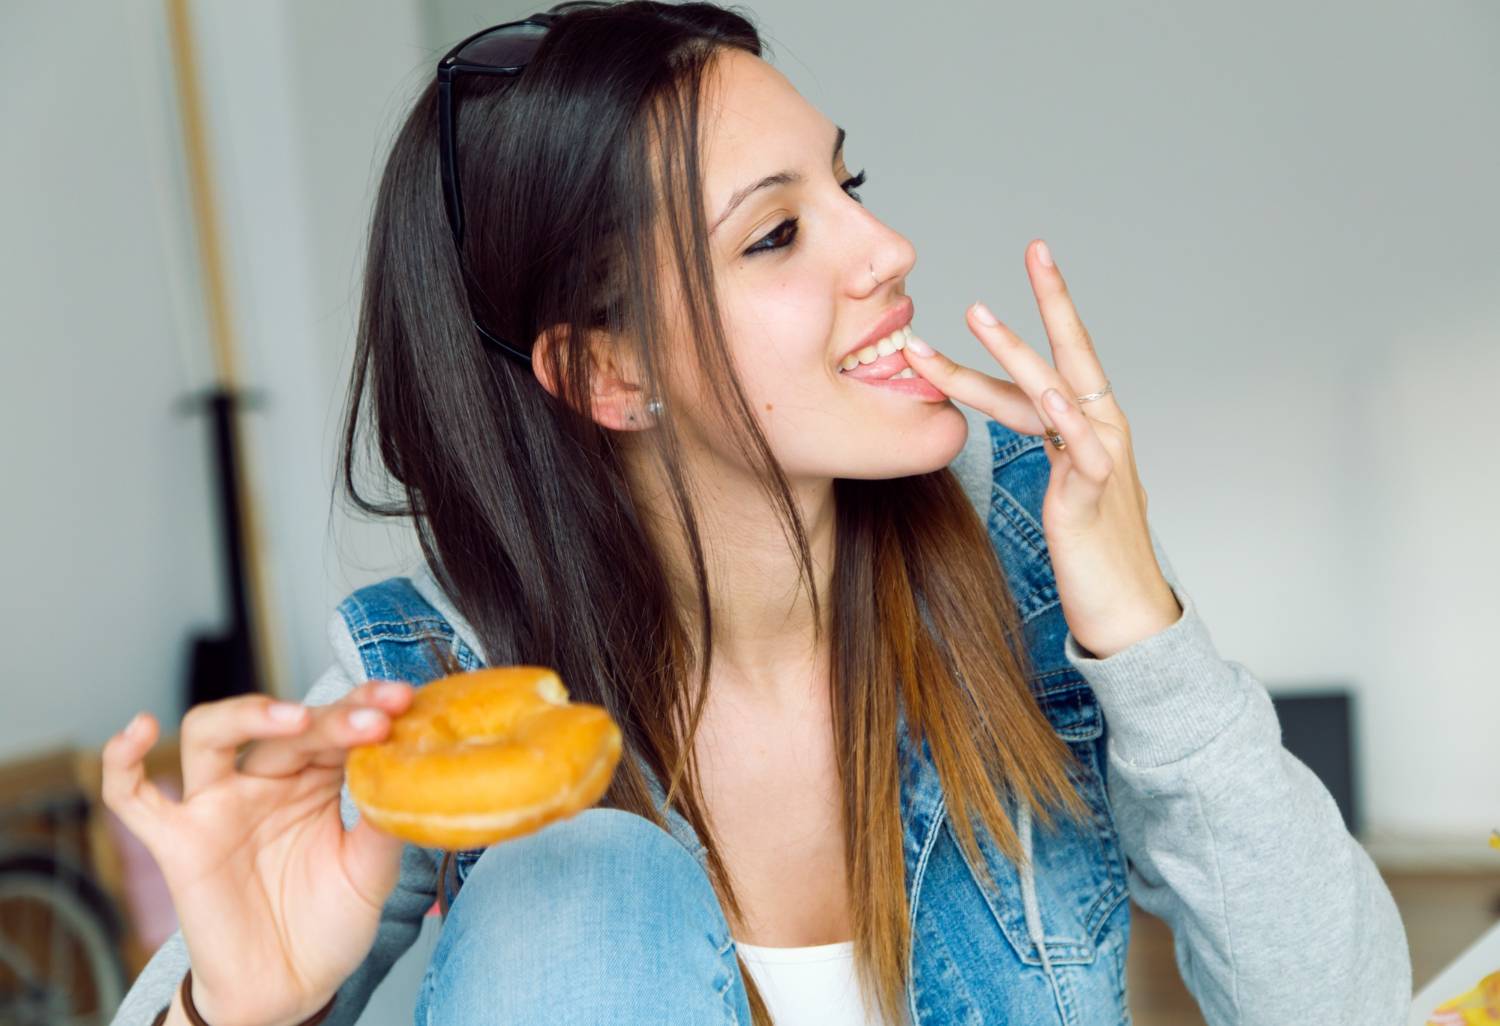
[1078, 868]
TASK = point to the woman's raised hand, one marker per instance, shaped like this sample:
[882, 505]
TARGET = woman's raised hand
[1112, 590]
[278, 904]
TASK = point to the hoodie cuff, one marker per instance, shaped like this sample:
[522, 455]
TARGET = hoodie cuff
[1166, 696]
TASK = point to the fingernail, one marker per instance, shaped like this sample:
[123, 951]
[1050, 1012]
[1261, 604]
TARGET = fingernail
[386, 692]
[136, 725]
[286, 712]
[1054, 400]
[918, 346]
[364, 719]
[1043, 254]
[985, 317]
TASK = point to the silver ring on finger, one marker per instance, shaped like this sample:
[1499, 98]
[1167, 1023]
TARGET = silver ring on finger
[1095, 395]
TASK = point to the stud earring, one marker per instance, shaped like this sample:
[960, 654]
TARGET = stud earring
[654, 407]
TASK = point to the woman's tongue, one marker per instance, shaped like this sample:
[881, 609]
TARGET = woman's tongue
[892, 363]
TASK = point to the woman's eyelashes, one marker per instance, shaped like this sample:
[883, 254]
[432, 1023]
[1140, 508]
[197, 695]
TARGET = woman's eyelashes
[783, 234]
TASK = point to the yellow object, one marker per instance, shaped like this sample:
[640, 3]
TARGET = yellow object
[1477, 1007]
[484, 756]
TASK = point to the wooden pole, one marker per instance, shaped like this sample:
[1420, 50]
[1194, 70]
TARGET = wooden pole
[221, 328]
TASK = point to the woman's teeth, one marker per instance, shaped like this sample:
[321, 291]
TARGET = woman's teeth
[885, 347]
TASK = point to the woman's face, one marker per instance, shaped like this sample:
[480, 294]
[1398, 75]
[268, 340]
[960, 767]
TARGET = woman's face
[797, 298]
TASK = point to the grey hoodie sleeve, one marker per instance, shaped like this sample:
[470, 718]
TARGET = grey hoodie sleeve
[400, 919]
[1277, 913]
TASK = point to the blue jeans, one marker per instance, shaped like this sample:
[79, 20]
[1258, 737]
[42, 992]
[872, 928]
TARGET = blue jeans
[599, 918]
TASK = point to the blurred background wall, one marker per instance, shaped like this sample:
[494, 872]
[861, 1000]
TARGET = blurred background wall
[1279, 222]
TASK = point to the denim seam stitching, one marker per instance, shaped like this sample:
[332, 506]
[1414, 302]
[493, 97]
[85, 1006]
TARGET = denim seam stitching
[939, 813]
[415, 624]
[1095, 919]
[734, 1015]
[1019, 446]
[1019, 518]
[363, 647]
[1041, 609]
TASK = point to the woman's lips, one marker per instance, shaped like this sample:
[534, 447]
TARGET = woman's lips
[918, 386]
[891, 363]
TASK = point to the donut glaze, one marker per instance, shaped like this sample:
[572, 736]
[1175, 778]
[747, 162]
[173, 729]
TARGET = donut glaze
[483, 756]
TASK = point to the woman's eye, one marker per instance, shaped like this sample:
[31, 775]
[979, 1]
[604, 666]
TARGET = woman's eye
[783, 234]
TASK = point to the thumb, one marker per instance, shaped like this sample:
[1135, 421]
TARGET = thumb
[372, 858]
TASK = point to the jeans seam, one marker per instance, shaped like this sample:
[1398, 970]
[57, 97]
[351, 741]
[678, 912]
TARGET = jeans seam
[425, 999]
[734, 1017]
[725, 951]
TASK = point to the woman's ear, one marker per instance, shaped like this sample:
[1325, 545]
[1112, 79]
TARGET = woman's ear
[616, 399]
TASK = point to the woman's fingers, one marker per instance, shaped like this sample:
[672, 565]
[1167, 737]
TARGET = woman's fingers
[126, 789]
[1025, 365]
[1002, 400]
[279, 738]
[212, 732]
[1008, 402]
[362, 716]
[1090, 463]
[1035, 376]
[1073, 351]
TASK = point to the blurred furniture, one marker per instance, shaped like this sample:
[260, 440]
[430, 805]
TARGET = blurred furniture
[61, 932]
[1316, 728]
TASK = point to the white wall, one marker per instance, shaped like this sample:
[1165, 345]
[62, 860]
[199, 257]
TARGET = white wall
[109, 550]
[111, 539]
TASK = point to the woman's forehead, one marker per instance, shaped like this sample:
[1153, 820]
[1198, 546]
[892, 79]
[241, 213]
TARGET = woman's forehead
[756, 125]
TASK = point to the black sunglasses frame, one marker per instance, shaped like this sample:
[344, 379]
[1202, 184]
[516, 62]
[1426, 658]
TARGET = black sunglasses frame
[447, 70]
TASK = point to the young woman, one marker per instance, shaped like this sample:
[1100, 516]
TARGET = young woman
[912, 702]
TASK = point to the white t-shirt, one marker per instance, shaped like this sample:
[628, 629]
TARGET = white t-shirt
[811, 986]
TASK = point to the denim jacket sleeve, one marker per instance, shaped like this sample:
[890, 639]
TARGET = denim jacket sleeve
[1277, 913]
[400, 918]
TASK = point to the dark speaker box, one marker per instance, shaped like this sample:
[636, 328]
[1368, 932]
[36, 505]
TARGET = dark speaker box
[1317, 727]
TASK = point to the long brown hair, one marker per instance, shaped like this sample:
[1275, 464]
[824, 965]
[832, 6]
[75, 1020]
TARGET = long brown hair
[571, 173]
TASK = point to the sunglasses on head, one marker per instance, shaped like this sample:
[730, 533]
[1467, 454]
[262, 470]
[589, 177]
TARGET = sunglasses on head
[498, 50]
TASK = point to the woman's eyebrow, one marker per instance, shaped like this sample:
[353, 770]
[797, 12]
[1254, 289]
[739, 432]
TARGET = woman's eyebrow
[788, 177]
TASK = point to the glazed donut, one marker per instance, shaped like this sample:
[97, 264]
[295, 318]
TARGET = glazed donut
[483, 756]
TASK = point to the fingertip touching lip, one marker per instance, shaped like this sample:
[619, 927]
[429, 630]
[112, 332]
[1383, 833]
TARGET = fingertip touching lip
[898, 316]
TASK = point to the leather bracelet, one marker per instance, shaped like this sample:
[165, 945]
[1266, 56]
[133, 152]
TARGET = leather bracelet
[197, 1020]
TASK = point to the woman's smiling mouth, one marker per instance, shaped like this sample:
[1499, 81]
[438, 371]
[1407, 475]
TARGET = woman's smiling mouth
[884, 365]
[881, 361]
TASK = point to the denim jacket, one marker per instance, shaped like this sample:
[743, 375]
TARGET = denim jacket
[1199, 815]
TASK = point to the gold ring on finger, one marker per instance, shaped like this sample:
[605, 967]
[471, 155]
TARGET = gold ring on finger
[1056, 440]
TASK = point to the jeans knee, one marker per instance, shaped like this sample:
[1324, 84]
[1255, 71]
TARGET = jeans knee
[599, 870]
[606, 848]
[601, 910]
